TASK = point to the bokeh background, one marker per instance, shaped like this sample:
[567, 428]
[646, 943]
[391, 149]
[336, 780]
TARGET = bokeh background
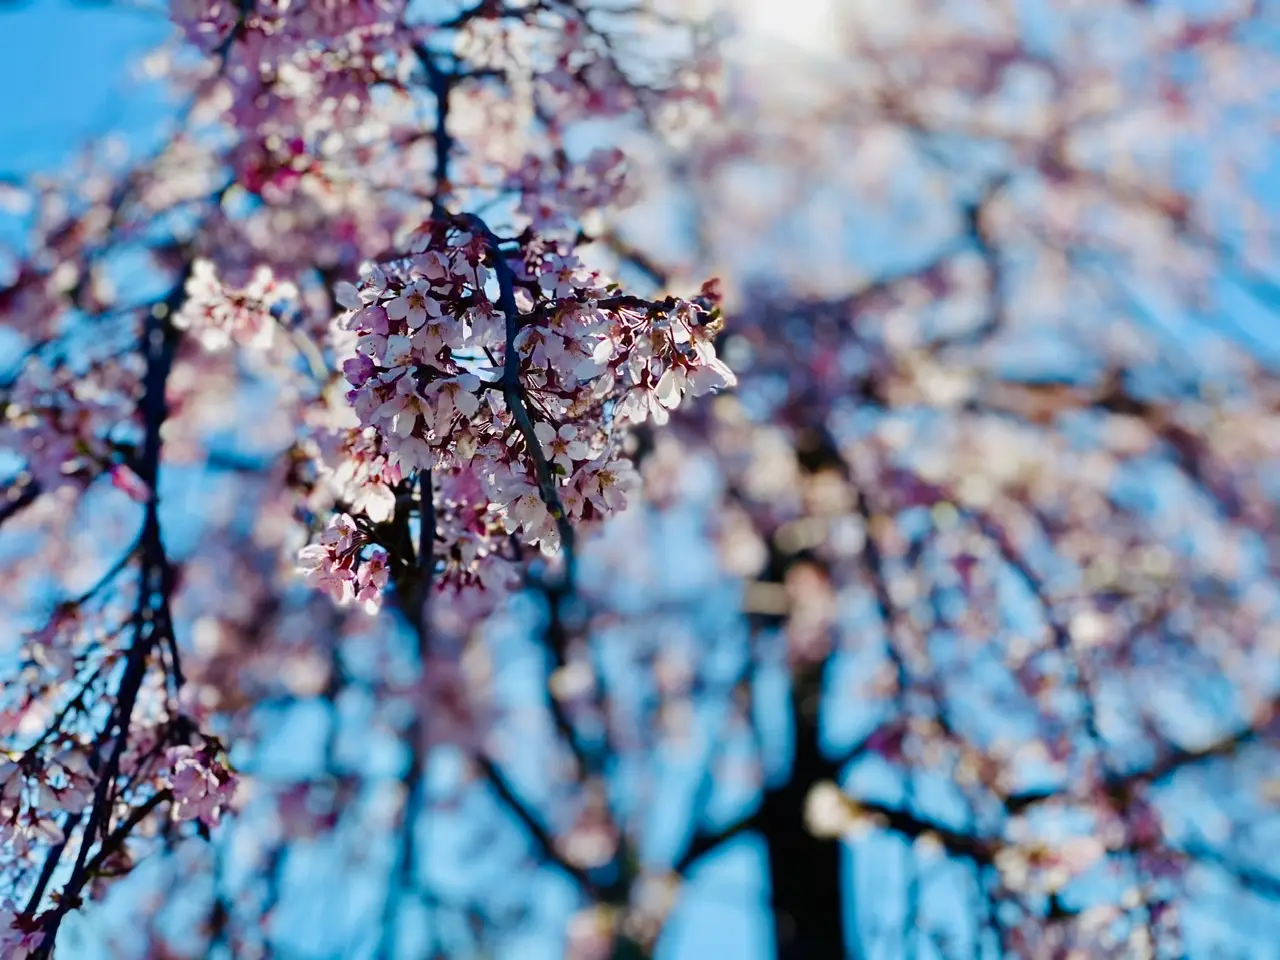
[953, 631]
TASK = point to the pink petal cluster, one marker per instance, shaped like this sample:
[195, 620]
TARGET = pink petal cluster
[556, 192]
[219, 314]
[431, 387]
[20, 935]
[303, 154]
[59, 417]
[33, 801]
[202, 787]
[343, 564]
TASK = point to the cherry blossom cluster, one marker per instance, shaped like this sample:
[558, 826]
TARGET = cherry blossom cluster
[563, 68]
[219, 314]
[288, 74]
[575, 67]
[273, 30]
[202, 787]
[554, 194]
[342, 564]
[488, 379]
[31, 796]
[518, 443]
[62, 420]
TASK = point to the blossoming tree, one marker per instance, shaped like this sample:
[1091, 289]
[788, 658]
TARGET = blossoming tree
[996, 474]
[457, 401]
[333, 636]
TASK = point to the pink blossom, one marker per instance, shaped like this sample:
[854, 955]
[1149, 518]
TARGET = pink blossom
[219, 314]
[371, 579]
[561, 446]
[558, 276]
[454, 396]
[19, 937]
[201, 786]
[613, 480]
[414, 305]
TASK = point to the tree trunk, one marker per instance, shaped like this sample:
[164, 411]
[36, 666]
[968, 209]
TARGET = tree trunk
[804, 870]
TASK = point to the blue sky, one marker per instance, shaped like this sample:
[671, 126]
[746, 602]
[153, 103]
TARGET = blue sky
[65, 76]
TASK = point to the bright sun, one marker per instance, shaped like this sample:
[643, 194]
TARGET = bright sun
[806, 25]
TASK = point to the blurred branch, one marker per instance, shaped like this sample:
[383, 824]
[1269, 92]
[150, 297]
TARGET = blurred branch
[706, 841]
[17, 498]
[1173, 761]
[152, 623]
[540, 835]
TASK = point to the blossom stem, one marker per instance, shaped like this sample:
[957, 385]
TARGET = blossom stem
[150, 618]
[514, 393]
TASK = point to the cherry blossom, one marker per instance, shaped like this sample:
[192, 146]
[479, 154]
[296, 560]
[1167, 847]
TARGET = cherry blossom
[201, 786]
[440, 391]
[17, 940]
[561, 446]
[219, 315]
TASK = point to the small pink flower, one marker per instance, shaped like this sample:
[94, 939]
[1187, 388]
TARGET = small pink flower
[201, 786]
[612, 482]
[561, 446]
[454, 395]
[371, 580]
[559, 276]
[358, 370]
[414, 306]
